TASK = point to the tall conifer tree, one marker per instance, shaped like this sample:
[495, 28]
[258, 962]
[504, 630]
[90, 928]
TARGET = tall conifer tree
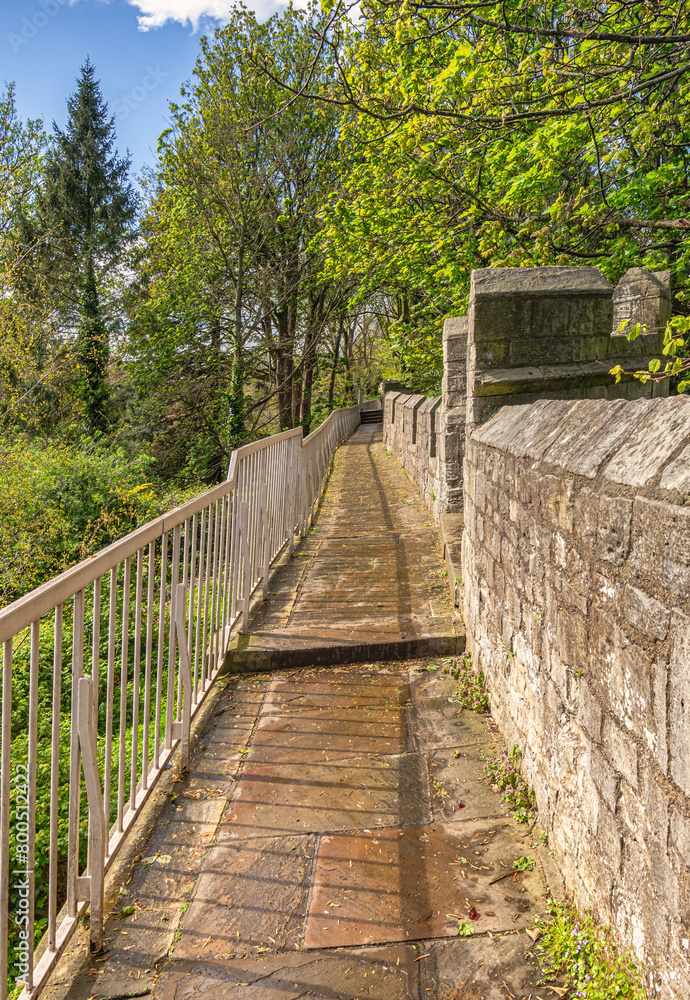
[87, 212]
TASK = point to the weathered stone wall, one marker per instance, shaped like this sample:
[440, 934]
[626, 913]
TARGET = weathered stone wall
[642, 297]
[547, 333]
[576, 562]
[410, 432]
[428, 434]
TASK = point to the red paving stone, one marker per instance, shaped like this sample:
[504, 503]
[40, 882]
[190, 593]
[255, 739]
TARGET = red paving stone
[341, 795]
[309, 734]
[418, 883]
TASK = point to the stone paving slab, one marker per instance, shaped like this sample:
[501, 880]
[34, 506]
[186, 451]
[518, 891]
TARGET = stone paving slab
[251, 895]
[341, 795]
[418, 882]
[347, 877]
[459, 791]
[482, 968]
[329, 734]
[438, 723]
[388, 973]
[295, 691]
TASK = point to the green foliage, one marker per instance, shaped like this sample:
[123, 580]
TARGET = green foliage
[465, 929]
[79, 229]
[676, 348]
[582, 954]
[471, 689]
[232, 310]
[539, 135]
[60, 503]
[503, 771]
[524, 864]
[88, 202]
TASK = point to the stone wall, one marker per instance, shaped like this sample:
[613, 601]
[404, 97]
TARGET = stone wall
[547, 333]
[410, 432]
[530, 333]
[576, 562]
[427, 435]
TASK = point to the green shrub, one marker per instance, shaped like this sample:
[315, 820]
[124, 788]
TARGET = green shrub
[582, 954]
[60, 503]
[471, 690]
[504, 772]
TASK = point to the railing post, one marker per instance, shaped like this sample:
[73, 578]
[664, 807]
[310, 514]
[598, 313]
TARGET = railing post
[302, 495]
[291, 499]
[246, 566]
[86, 732]
[181, 729]
[266, 538]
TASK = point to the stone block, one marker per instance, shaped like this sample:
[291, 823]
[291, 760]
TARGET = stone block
[609, 840]
[557, 501]
[454, 332]
[676, 475]
[613, 529]
[645, 613]
[679, 834]
[590, 714]
[622, 675]
[585, 516]
[661, 546]
[547, 304]
[592, 432]
[641, 297]
[659, 686]
[589, 801]
[621, 751]
[607, 592]
[679, 707]
[655, 806]
[527, 432]
[644, 454]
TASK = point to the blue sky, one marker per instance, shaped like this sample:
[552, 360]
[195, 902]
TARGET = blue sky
[143, 50]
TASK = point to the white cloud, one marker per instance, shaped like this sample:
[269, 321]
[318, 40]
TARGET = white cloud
[156, 13]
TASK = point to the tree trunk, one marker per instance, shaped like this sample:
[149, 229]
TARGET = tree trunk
[236, 400]
[284, 371]
[334, 367]
[347, 358]
[309, 361]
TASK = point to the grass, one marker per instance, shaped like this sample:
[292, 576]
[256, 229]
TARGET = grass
[582, 954]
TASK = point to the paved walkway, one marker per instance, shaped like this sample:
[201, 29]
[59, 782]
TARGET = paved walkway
[367, 583]
[335, 827]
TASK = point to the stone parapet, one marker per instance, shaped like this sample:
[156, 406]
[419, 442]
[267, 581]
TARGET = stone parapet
[642, 297]
[547, 332]
[576, 563]
[411, 431]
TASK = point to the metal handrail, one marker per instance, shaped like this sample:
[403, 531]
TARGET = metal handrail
[148, 620]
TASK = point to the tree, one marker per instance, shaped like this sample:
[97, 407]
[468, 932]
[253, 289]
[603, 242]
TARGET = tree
[234, 305]
[32, 361]
[84, 219]
[481, 135]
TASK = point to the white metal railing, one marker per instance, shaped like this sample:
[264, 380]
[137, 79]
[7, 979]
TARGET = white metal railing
[105, 666]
